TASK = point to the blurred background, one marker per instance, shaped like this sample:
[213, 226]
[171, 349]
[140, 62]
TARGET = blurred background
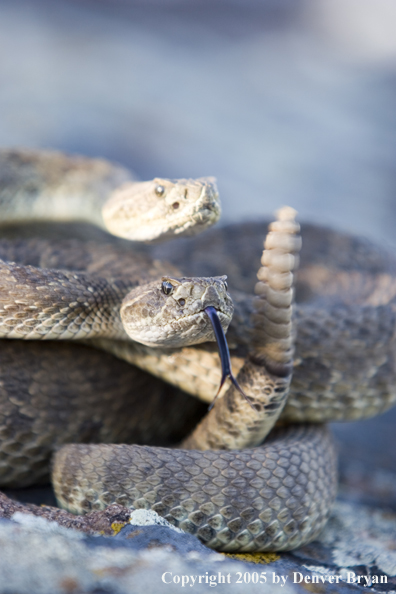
[284, 101]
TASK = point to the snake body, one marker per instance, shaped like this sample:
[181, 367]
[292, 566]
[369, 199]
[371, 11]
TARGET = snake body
[191, 518]
[55, 392]
[298, 514]
[262, 498]
[274, 497]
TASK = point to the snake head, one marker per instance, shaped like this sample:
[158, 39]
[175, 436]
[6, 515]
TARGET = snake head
[162, 208]
[171, 311]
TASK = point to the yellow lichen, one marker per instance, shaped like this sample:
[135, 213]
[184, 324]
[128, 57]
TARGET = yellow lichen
[116, 527]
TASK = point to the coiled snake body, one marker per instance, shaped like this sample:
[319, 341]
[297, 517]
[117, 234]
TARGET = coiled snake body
[262, 498]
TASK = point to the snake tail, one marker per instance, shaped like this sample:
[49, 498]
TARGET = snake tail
[266, 374]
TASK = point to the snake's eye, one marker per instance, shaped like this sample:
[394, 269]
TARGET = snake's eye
[167, 287]
[160, 190]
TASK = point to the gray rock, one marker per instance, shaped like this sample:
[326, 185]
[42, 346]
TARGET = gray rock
[39, 557]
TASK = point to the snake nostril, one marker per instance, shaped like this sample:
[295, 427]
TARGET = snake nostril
[182, 302]
[175, 205]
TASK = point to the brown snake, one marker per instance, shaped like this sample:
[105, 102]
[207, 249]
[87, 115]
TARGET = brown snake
[275, 497]
[309, 448]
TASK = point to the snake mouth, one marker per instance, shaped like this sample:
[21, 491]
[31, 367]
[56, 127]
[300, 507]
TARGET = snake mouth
[226, 371]
[183, 331]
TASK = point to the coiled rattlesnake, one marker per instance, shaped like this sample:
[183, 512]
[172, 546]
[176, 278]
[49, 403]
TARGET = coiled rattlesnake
[238, 501]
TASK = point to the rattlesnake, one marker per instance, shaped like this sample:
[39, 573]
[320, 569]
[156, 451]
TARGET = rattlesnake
[51, 186]
[229, 513]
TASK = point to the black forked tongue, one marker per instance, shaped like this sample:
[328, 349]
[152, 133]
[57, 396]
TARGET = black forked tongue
[224, 353]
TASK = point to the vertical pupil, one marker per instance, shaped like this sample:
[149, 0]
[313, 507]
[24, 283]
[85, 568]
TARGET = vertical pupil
[167, 287]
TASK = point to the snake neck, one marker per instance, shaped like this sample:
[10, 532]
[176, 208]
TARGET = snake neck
[46, 186]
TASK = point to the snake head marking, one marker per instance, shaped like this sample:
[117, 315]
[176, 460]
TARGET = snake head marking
[162, 208]
[171, 312]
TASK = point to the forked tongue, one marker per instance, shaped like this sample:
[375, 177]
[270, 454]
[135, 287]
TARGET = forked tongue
[224, 353]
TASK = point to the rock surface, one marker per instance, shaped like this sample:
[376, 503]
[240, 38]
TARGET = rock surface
[357, 549]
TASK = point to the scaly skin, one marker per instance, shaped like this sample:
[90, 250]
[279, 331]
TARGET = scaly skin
[276, 497]
[45, 304]
[332, 379]
[247, 532]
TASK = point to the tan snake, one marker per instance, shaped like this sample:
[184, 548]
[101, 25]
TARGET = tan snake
[236, 515]
[51, 186]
